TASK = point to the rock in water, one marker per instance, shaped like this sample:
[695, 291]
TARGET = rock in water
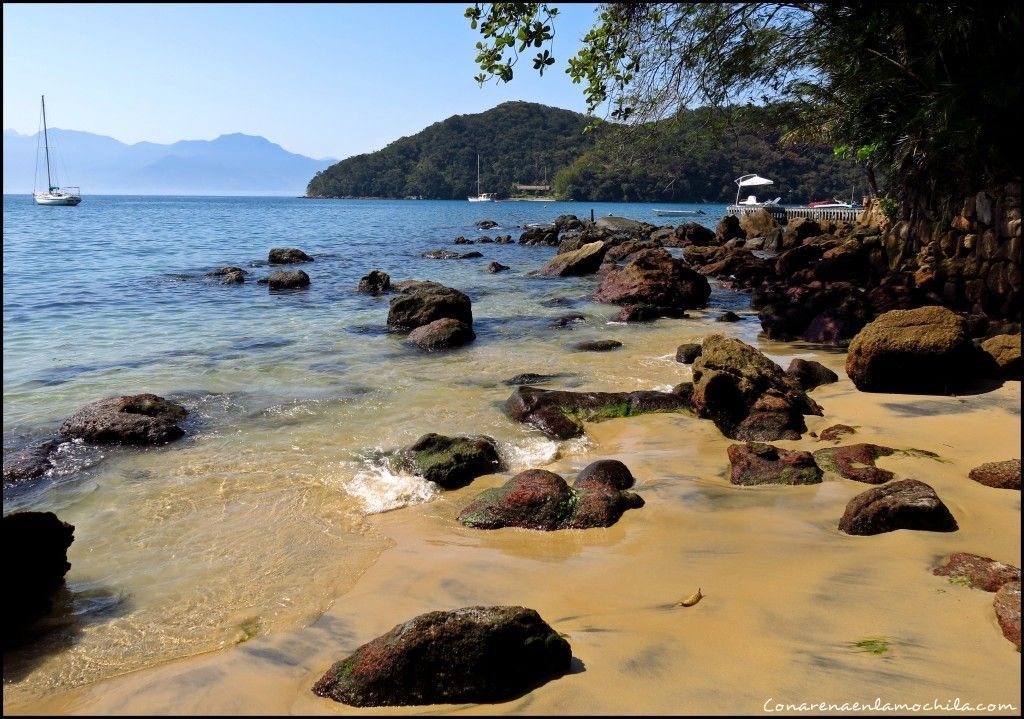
[654, 277]
[474, 654]
[538, 499]
[29, 462]
[132, 419]
[441, 334]
[288, 280]
[287, 256]
[925, 350]
[451, 462]
[907, 504]
[756, 463]
[375, 283]
[424, 302]
[583, 261]
[34, 567]
[686, 354]
[856, 462]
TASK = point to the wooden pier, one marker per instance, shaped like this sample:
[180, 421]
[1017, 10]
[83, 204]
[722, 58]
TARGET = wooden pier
[783, 214]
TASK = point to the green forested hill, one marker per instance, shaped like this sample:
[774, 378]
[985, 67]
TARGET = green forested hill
[517, 142]
[693, 157]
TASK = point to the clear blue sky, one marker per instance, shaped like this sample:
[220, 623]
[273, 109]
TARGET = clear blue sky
[324, 80]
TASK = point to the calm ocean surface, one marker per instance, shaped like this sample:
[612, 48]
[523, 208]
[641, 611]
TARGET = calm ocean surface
[256, 520]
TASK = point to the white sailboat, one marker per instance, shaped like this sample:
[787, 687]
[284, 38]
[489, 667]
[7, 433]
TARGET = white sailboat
[54, 195]
[480, 196]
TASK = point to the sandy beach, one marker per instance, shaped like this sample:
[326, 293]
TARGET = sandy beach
[787, 596]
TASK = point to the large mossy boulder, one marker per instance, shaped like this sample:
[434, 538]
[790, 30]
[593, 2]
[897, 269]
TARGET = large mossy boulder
[757, 463]
[925, 350]
[421, 303]
[560, 414]
[35, 562]
[654, 277]
[538, 499]
[450, 462]
[907, 504]
[747, 395]
[131, 419]
[469, 655]
[758, 223]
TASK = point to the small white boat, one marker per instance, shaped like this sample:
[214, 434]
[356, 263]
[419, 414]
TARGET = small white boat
[678, 213]
[752, 181]
[480, 196]
[54, 195]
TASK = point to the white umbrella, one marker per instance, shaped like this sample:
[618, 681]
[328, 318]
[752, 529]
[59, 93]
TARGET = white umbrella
[750, 181]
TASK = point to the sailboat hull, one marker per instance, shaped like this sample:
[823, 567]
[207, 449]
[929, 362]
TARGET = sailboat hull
[48, 199]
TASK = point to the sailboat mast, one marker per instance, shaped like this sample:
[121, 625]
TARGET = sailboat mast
[478, 174]
[46, 141]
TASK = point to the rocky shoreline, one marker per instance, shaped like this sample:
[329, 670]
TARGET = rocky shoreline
[836, 285]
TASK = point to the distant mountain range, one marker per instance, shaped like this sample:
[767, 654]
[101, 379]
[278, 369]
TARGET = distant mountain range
[233, 164]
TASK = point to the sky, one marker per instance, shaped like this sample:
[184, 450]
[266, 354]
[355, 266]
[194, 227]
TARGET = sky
[322, 80]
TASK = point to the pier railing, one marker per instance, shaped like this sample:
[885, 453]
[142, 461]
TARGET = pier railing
[783, 214]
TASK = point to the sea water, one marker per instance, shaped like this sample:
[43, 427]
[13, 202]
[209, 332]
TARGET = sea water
[257, 519]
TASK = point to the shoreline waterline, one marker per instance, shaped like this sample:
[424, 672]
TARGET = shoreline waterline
[293, 394]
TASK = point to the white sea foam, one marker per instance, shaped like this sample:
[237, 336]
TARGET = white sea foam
[379, 489]
[539, 451]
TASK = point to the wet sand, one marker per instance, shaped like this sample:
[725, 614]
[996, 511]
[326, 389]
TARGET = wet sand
[786, 595]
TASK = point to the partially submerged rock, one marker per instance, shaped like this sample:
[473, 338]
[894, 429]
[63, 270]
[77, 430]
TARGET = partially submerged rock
[445, 333]
[29, 463]
[131, 419]
[538, 499]
[1001, 475]
[925, 350]
[449, 255]
[559, 414]
[470, 655]
[375, 283]
[421, 303]
[495, 267]
[597, 345]
[288, 280]
[976, 571]
[450, 462]
[856, 462]
[229, 275]
[756, 463]
[907, 504]
[34, 565]
[747, 395]
[687, 353]
[287, 256]
[1007, 607]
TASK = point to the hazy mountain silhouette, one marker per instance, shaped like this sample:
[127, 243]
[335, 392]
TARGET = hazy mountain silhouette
[230, 164]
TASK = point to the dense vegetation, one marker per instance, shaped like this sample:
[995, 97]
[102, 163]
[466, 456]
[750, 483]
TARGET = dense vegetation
[696, 155]
[927, 93]
[693, 157]
[518, 142]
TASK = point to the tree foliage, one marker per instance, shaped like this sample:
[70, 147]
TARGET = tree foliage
[929, 93]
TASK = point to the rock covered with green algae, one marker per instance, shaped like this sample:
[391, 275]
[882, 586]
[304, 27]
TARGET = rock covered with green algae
[559, 414]
[756, 463]
[856, 462]
[450, 462]
[977, 572]
[473, 654]
[538, 499]
[746, 394]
